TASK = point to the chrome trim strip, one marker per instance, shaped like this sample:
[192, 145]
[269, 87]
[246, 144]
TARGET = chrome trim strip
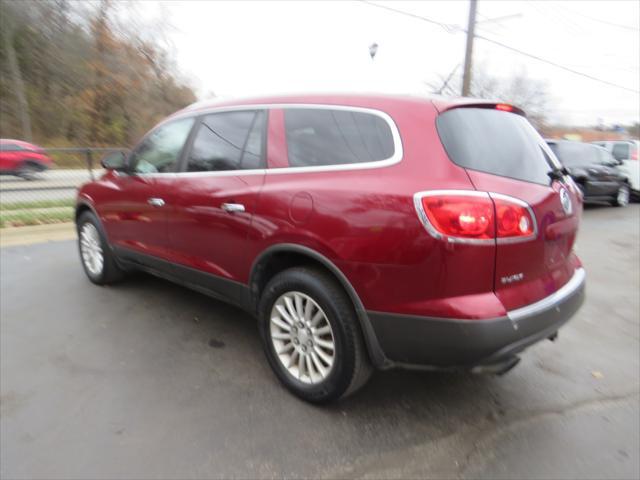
[549, 302]
[220, 173]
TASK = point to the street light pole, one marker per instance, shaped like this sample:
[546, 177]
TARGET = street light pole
[466, 79]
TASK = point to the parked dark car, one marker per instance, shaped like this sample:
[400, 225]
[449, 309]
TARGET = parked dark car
[360, 230]
[594, 170]
[626, 152]
[22, 159]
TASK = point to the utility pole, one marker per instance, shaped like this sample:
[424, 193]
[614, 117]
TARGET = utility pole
[466, 79]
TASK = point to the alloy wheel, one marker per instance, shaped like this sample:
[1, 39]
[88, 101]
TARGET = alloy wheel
[91, 250]
[302, 337]
[623, 196]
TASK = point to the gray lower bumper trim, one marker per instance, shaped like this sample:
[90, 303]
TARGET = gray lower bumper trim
[548, 302]
[409, 340]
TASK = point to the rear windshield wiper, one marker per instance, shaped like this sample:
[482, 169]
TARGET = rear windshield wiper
[558, 173]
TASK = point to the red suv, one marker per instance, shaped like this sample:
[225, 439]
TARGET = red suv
[362, 231]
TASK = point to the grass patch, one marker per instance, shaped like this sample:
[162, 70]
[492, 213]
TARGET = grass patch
[20, 218]
[37, 204]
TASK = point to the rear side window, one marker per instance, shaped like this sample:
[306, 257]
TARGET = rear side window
[621, 151]
[318, 137]
[228, 141]
[495, 142]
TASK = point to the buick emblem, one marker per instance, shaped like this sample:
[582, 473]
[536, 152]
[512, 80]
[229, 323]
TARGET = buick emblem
[565, 200]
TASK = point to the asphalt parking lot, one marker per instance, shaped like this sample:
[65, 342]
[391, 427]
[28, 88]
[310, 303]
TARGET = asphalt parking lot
[149, 380]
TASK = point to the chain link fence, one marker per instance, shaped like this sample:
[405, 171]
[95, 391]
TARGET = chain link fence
[38, 197]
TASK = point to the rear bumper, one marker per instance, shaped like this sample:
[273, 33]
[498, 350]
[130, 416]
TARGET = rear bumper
[423, 342]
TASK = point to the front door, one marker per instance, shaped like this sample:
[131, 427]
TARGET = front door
[135, 213]
[215, 198]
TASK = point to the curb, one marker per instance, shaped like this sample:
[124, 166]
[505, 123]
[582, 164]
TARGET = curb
[12, 236]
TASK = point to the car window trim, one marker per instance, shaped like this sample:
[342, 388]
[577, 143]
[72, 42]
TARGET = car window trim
[182, 167]
[395, 134]
[176, 164]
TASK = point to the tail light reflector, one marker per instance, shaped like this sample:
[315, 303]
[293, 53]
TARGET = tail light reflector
[512, 219]
[634, 153]
[475, 217]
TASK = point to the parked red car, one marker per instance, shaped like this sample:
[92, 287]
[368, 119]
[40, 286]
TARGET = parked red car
[22, 159]
[361, 230]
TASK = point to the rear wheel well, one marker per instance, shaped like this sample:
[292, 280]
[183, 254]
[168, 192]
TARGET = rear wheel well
[30, 162]
[278, 262]
[272, 263]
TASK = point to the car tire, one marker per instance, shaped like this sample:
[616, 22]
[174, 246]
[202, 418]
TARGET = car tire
[329, 321]
[96, 255]
[623, 195]
[29, 171]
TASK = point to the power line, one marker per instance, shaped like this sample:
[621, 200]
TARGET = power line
[612, 24]
[557, 65]
[447, 27]
[455, 28]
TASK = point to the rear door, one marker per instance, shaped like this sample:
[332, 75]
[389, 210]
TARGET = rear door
[503, 154]
[215, 197]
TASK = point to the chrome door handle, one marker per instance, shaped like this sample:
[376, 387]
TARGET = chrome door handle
[156, 202]
[232, 207]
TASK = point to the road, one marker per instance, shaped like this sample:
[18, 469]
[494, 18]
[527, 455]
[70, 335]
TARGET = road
[149, 380]
[50, 185]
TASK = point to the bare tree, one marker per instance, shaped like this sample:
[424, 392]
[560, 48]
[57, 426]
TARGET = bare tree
[16, 79]
[532, 95]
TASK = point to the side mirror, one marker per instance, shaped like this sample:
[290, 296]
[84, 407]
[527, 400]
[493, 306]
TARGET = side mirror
[114, 161]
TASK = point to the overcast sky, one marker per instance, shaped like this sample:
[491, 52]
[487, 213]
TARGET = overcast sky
[247, 48]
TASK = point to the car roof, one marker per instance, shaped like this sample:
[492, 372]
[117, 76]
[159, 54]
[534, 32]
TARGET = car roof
[4, 141]
[573, 142]
[633, 142]
[363, 100]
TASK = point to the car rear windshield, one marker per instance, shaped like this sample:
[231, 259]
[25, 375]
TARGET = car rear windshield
[495, 142]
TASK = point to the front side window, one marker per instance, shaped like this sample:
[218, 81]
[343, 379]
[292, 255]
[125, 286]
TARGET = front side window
[621, 151]
[160, 151]
[228, 141]
[318, 137]
[606, 158]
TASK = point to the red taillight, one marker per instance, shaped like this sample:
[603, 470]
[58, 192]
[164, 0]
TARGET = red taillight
[475, 217]
[460, 216]
[634, 154]
[512, 219]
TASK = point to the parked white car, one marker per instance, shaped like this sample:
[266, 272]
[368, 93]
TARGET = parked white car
[626, 151]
